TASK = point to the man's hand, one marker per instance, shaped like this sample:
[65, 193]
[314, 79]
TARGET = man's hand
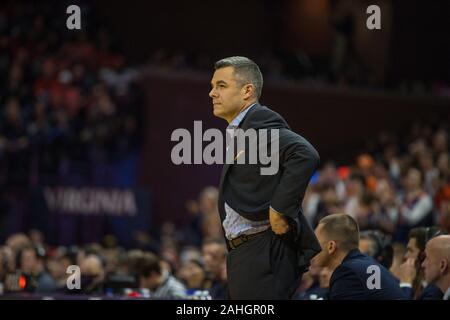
[278, 222]
[408, 271]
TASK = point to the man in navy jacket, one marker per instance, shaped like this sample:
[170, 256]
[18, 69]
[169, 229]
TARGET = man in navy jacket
[355, 276]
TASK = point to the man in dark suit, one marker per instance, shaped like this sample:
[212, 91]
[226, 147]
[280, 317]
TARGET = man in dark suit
[269, 240]
[355, 276]
[437, 264]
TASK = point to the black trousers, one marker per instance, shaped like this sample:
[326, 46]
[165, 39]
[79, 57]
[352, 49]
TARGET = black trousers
[264, 268]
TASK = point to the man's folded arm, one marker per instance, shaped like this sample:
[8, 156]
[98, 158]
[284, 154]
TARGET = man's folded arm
[298, 160]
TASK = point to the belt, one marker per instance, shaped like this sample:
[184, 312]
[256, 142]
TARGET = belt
[236, 242]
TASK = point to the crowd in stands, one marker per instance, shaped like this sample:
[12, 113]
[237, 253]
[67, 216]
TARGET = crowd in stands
[30, 267]
[66, 98]
[70, 106]
[399, 195]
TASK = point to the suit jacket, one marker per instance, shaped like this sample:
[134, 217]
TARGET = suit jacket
[430, 292]
[349, 280]
[251, 194]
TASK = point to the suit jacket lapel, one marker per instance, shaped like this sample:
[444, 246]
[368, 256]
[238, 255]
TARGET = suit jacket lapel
[226, 165]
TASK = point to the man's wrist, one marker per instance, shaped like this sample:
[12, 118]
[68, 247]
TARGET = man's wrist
[276, 211]
[405, 285]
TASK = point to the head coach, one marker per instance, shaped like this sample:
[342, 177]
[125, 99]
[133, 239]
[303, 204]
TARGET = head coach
[269, 240]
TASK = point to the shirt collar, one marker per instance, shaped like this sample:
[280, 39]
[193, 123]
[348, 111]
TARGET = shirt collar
[447, 294]
[236, 121]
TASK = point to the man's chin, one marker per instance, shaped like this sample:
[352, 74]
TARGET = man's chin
[217, 113]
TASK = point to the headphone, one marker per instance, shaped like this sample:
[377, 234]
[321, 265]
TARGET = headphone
[384, 248]
[384, 251]
[430, 233]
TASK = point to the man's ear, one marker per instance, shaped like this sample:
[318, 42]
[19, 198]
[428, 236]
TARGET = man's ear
[331, 247]
[444, 266]
[248, 90]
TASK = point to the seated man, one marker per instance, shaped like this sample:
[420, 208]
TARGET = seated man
[355, 276]
[214, 257]
[411, 272]
[31, 264]
[437, 264]
[160, 284]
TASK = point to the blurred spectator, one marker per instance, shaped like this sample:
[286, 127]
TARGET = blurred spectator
[191, 253]
[57, 268]
[214, 258]
[30, 263]
[203, 217]
[160, 284]
[193, 227]
[92, 275]
[328, 203]
[208, 200]
[356, 191]
[192, 273]
[17, 241]
[416, 207]
[385, 209]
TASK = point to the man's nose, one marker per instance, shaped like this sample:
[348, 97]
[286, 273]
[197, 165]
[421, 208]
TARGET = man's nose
[212, 93]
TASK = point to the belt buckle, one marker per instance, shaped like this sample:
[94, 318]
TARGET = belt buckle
[239, 240]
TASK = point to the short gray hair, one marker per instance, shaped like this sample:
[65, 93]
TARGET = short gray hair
[245, 69]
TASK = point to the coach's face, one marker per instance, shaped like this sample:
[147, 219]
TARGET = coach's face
[228, 96]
